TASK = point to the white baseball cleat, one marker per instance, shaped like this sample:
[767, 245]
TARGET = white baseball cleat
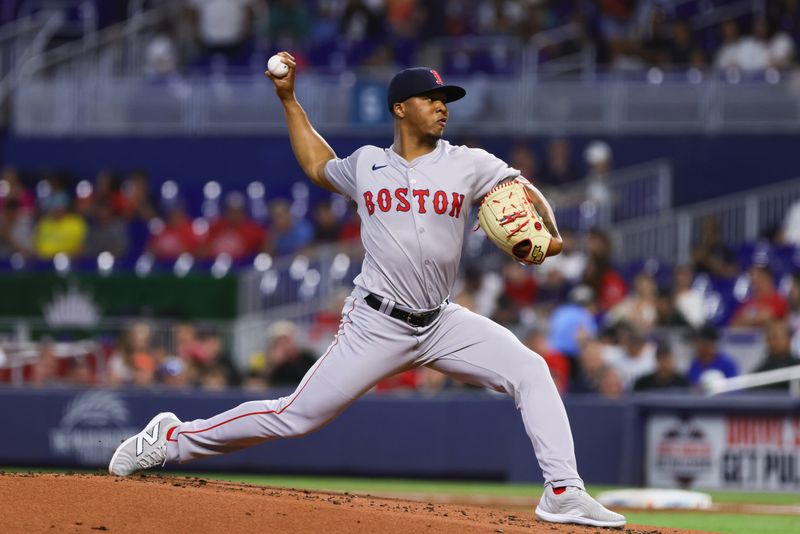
[574, 505]
[146, 449]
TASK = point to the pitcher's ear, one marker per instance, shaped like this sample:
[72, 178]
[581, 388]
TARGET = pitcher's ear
[399, 110]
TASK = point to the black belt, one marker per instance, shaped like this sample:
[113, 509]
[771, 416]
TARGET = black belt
[413, 319]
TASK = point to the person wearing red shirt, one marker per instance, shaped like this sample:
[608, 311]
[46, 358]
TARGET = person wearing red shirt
[234, 233]
[176, 237]
[764, 305]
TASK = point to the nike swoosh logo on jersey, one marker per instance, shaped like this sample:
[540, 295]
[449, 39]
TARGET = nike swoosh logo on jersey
[375, 166]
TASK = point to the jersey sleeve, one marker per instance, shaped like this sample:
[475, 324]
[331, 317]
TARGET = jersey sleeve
[341, 173]
[489, 171]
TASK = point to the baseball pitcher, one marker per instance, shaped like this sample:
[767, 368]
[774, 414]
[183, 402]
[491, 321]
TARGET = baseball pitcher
[413, 199]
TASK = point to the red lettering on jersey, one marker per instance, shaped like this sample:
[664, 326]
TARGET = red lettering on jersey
[458, 200]
[440, 202]
[402, 197]
[384, 200]
[421, 194]
[368, 202]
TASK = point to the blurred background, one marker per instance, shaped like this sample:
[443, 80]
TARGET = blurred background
[161, 249]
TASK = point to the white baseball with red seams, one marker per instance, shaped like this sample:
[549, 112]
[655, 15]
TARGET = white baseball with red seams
[414, 215]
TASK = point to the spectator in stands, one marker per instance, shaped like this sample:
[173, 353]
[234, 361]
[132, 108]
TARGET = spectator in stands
[361, 22]
[161, 56]
[639, 308]
[519, 287]
[175, 237]
[286, 361]
[784, 16]
[175, 373]
[633, 357]
[222, 26]
[16, 229]
[524, 159]
[570, 264]
[133, 362]
[590, 368]
[710, 255]
[764, 305]
[254, 381]
[610, 385]
[327, 227]
[607, 283]
[707, 357]
[791, 226]
[12, 188]
[656, 44]
[498, 17]
[666, 376]
[105, 192]
[480, 291]
[778, 352]
[727, 54]
[289, 23]
[688, 301]
[572, 323]
[559, 365]
[59, 230]
[107, 233]
[214, 378]
[559, 169]
[286, 235]
[668, 315]
[45, 369]
[794, 313]
[682, 46]
[234, 233]
[600, 162]
[138, 200]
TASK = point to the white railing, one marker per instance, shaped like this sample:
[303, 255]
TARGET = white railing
[715, 386]
[740, 217]
[630, 193]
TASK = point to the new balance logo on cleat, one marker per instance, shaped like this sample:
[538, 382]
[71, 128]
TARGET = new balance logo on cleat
[150, 439]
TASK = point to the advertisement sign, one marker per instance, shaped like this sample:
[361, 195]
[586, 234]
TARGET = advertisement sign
[723, 451]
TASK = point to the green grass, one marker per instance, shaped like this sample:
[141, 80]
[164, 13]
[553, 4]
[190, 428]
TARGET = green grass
[715, 522]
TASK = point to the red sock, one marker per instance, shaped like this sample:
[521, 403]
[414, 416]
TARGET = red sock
[559, 491]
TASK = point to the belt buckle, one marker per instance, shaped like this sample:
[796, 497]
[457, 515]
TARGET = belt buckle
[411, 320]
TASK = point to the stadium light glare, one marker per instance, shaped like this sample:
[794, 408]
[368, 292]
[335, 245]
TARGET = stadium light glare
[155, 225]
[43, 189]
[200, 226]
[222, 264]
[262, 262]
[169, 190]
[105, 262]
[339, 266]
[694, 76]
[144, 265]
[183, 265]
[269, 282]
[84, 189]
[655, 76]
[299, 266]
[300, 190]
[5, 188]
[256, 190]
[212, 190]
[772, 76]
[61, 262]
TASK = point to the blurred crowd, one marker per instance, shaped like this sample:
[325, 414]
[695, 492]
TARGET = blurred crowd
[126, 219]
[619, 34]
[599, 329]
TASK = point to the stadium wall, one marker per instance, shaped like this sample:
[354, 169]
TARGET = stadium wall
[451, 435]
[705, 166]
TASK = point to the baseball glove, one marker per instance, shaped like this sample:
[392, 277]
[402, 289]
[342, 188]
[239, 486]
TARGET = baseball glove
[509, 219]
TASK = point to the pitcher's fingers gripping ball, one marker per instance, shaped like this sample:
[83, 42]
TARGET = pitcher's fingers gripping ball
[510, 220]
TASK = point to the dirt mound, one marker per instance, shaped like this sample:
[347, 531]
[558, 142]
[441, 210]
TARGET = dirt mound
[86, 503]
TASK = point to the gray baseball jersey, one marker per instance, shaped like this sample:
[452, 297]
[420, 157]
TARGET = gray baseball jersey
[413, 221]
[413, 215]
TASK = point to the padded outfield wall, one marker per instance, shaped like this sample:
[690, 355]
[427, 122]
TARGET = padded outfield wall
[735, 442]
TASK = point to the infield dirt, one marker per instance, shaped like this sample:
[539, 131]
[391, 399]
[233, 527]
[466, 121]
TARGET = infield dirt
[101, 503]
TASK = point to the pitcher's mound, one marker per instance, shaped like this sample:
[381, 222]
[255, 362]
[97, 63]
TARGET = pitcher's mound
[99, 503]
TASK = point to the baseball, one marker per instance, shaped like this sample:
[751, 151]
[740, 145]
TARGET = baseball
[277, 67]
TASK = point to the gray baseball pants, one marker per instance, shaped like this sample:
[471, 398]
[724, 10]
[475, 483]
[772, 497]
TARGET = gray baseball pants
[370, 346]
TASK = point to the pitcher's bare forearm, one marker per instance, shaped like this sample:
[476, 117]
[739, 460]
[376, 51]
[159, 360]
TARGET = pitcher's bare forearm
[310, 149]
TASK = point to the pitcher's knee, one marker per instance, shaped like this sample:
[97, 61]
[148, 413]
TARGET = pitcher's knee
[534, 369]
